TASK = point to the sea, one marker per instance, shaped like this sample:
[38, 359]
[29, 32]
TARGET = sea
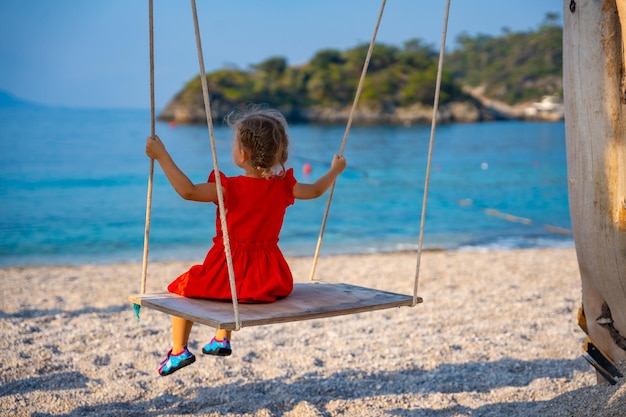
[73, 188]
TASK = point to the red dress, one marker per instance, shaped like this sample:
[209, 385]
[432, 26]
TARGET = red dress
[255, 210]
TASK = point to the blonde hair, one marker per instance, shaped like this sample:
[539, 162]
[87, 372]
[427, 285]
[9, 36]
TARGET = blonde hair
[262, 133]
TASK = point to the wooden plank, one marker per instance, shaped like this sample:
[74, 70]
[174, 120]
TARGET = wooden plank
[307, 301]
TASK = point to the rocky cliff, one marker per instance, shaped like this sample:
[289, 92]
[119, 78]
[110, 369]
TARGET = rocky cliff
[188, 108]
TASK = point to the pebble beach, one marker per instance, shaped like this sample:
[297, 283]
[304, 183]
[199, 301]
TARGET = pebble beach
[496, 335]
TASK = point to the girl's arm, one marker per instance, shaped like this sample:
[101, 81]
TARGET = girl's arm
[203, 192]
[308, 191]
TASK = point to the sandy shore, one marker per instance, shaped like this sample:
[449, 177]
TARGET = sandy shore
[495, 336]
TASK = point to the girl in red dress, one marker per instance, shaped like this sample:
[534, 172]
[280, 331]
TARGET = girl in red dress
[255, 204]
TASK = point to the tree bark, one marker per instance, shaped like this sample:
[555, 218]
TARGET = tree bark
[593, 71]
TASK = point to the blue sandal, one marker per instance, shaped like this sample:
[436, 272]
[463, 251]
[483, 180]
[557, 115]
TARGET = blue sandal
[217, 347]
[173, 363]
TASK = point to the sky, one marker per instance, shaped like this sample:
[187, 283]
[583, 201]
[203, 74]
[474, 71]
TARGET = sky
[95, 54]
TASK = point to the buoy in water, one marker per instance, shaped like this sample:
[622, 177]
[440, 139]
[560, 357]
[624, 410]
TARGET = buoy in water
[306, 169]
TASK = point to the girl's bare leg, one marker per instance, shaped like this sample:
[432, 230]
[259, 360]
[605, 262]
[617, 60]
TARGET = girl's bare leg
[181, 328]
[221, 334]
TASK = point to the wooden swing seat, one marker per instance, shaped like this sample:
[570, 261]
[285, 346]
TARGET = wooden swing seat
[307, 301]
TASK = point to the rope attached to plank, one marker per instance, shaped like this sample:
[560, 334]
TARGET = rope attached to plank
[357, 95]
[146, 237]
[430, 149]
[218, 183]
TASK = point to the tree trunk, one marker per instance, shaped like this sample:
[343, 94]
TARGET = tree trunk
[595, 121]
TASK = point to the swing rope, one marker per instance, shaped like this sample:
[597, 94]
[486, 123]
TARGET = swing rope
[430, 149]
[220, 193]
[146, 237]
[355, 102]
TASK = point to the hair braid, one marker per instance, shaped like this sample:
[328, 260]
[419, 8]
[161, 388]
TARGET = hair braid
[262, 133]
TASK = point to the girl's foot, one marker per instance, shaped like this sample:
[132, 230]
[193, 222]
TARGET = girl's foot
[217, 347]
[173, 363]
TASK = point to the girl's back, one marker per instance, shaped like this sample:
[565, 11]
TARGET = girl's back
[255, 207]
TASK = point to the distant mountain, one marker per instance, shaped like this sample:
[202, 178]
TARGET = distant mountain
[9, 100]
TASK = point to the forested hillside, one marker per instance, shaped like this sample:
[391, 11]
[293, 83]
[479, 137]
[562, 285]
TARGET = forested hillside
[514, 67]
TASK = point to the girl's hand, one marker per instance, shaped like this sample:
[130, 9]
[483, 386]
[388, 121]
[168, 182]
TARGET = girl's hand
[307, 191]
[338, 164]
[154, 147]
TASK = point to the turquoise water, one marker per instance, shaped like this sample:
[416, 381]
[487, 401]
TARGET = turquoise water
[73, 188]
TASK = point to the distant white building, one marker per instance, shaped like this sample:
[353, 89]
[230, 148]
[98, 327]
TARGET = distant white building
[549, 108]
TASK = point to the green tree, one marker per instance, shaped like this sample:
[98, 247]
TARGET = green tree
[513, 67]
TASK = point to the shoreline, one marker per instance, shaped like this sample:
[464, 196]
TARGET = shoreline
[201, 252]
[496, 335]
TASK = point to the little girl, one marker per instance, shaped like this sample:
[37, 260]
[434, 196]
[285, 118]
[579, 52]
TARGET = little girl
[256, 204]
